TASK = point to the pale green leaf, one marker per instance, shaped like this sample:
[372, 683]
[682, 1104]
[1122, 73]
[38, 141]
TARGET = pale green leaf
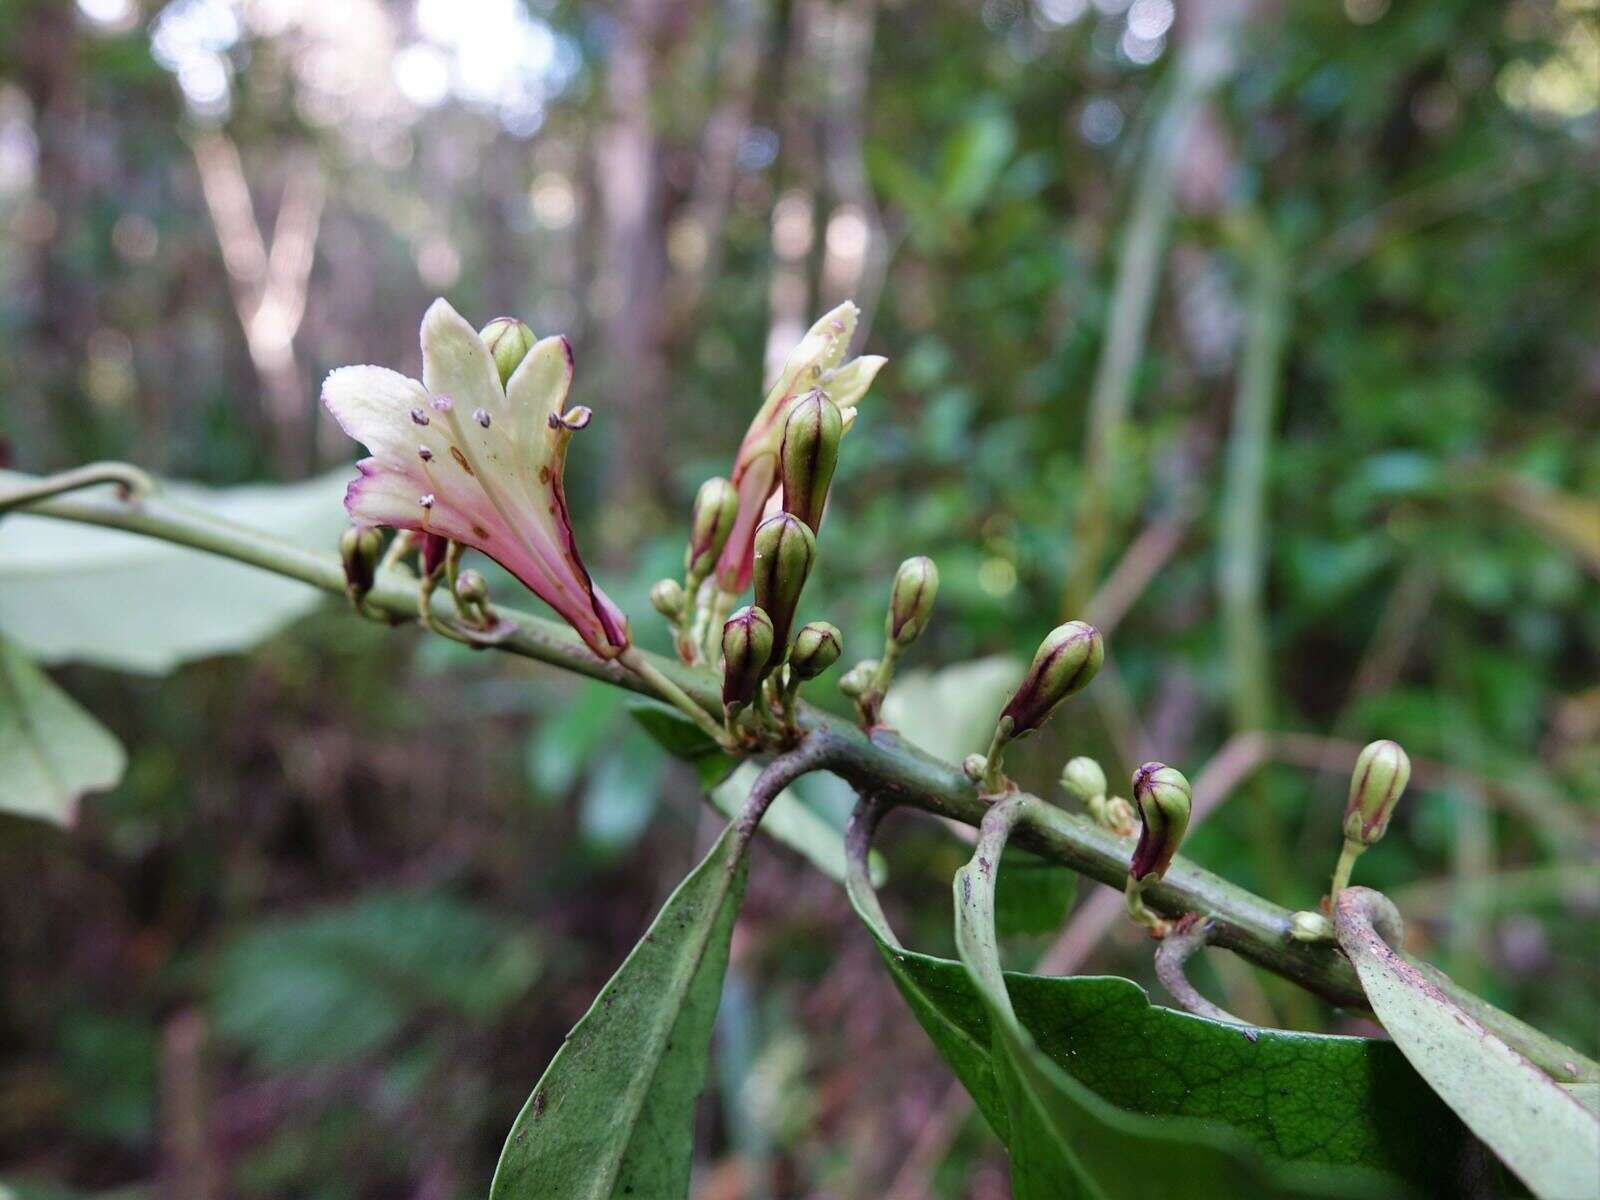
[51, 751]
[613, 1114]
[80, 593]
[949, 712]
[1541, 1131]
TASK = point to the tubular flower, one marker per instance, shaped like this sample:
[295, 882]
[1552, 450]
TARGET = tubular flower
[462, 456]
[816, 364]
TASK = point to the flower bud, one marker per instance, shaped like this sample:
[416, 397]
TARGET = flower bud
[716, 508]
[816, 648]
[916, 585]
[855, 682]
[1117, 815]
[746, 647]
[785, 550]
[509, 341]
[809, 454]
[1066, 661]
[1082, 779]
[974, 765]
[1162, 794]
[667, 597]
[1381, 773]
[1307, 926]
[471, 587]
[360, 546]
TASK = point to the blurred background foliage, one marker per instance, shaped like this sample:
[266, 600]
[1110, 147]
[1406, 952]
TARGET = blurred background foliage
[1265, 335]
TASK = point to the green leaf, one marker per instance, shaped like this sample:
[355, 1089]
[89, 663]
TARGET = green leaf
[613, 1114]
[343, 980]
[1541, 1131]
[682, 738]
[1065, 1140]
[789, 820]
[51, 750]
[1034, 894]
[1324, 1102]
[79, 593]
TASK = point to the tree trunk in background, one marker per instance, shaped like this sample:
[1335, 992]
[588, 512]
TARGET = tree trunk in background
[629, 297]
[63, 308]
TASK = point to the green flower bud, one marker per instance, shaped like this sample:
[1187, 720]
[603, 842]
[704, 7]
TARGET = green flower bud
[809, 454]
[746, 647]
[471, 587]
[1381, 773]
[667, 598]
[1162, 794]
[855, 682]
[785, 550]
[509, 341]
[1307, 926]
[1066, 661]
[916, 585]
[816, 648]
[1117, 815]
[1082, 779]
[716, 508]
[360, 546]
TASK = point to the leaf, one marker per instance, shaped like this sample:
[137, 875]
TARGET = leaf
[613, 1114]
[973, 157]
[78, 593]
[1325, 1102]
[949, 712]
[1540, 1130]
[793, 822]
[682, 738]
[1034, 894]
[341, 981]
[619, 797]
[789, 820]
[1066, 1140]
[52, 751]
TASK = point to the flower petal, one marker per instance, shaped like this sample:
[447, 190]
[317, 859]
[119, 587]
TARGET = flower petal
[466, 459]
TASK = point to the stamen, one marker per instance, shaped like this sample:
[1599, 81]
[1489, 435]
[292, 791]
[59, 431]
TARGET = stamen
[425, 454]
[427, 500]
[481, 416]
[443, 403]
[420, 417]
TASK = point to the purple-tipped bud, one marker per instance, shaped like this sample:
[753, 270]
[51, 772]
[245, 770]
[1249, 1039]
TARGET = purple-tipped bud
[809, 454]
[785, 550]
[1162, 795]
[433, 548]
[816, 648]
[716, 508]
[746, 647]
[360, 546]
[1082, 779]
[1066, 661]
[509, 341]
[471, 587]
[667, 598]
[916, 586]
[1381, 773]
